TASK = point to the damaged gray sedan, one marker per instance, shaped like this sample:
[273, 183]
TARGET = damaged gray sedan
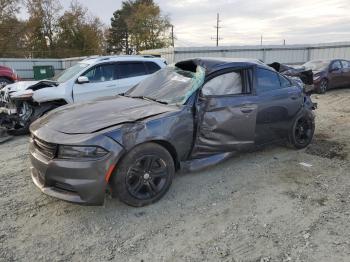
[186, 117]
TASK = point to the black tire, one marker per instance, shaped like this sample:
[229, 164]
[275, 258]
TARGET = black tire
[4, 81]
[302, 131]
[144, 175]
[324, 85]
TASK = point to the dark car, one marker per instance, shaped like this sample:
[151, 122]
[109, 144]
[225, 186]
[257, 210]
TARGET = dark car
[329, 73]
[188, 116]
[7, 76]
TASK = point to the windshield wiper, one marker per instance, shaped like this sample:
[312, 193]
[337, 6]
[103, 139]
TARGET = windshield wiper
[149, 99]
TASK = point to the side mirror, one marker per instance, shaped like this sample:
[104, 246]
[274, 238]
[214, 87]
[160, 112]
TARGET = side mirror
[83, 80]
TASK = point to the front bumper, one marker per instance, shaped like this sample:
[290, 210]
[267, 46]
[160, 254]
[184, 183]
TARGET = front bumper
[82, 182]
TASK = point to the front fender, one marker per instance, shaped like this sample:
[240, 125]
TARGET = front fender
[52, 93]
[175, 129]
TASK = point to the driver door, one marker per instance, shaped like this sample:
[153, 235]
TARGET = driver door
[103, 82]
[225, 114]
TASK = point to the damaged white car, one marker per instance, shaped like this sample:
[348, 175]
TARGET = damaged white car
[26, 101]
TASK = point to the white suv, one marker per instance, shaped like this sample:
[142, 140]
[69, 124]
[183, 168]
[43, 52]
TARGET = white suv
[89, 79]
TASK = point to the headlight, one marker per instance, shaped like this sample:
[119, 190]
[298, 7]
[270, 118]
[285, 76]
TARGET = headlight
[80, 152]
[27, 94]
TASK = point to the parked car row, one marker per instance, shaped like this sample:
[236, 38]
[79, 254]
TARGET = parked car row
[324, 74]
[329, 74]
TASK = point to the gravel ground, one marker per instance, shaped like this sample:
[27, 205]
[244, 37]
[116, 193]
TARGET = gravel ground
[261, 206]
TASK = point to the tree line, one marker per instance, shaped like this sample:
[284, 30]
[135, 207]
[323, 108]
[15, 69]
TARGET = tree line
[47, 32]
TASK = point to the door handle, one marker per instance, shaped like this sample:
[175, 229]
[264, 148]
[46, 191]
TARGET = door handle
[112, 86]
[294, 97]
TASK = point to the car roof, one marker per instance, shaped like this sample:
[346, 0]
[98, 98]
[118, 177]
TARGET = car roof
[119, 58]
[214, 64]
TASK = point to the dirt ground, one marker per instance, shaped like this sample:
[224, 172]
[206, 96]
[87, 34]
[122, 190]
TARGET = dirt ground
[262, 206]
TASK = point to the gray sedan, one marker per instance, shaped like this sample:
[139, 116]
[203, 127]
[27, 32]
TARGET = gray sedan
[187, 116]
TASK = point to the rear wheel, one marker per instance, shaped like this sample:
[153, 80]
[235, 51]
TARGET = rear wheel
[144, 175]
[323, 86]
[302, 132]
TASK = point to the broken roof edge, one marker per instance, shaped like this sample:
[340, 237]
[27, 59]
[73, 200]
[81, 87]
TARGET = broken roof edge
[213, 64]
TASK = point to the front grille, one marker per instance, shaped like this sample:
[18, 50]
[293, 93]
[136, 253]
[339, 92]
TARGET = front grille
[64, 187]
[46, 149]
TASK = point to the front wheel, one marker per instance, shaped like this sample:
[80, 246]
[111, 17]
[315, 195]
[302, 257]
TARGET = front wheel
[302, 131]
[144, 175]
[323, 86]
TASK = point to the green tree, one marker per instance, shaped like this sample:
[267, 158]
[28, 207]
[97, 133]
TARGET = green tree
[137, 26]
[79, 34]
[42, 26]
[12, 30]
[8, 9]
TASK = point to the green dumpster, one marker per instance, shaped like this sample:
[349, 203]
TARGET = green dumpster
[43, 72]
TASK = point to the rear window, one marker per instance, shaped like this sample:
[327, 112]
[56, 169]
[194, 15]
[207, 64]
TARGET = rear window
[132, 69]
[152, 67]
[267, 80]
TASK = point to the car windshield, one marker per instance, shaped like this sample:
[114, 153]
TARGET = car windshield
[69, 73]
[316, 65]
[170, 85]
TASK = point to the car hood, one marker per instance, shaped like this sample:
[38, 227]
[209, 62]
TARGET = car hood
[93, 116]
[20, 86]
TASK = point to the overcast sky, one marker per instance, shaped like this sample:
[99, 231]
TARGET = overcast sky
[244, 21]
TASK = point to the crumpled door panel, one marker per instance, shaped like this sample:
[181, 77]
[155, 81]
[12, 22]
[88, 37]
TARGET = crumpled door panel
[224, 125]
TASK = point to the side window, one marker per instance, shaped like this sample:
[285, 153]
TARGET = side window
[101, 73]
[267, 80]
[336, 65]
[225, 84]
[152, 67]
[345, 64]
[131, 69]
[284, 81]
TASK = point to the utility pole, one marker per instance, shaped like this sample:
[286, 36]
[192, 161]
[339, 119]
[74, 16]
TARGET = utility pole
[284, 41]
[261, 40]
[172, 36]
[217, 30]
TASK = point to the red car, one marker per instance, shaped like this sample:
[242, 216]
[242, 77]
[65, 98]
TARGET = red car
[7, 76]
[329, 73]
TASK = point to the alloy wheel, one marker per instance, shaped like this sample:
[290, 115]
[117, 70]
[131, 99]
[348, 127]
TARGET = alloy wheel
[147, 177]
[324, 86]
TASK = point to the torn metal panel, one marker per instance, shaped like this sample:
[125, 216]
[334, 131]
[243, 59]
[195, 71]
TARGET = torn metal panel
[306, 76]
[224, 125]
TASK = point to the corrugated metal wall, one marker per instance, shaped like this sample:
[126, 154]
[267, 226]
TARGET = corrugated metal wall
[289, 54]
[24, 67]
